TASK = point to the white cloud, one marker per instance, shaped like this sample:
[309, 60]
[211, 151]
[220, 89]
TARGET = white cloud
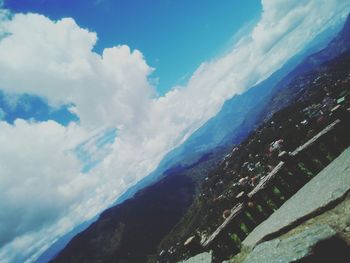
[54, 60]
[39, 176]
[42, 190]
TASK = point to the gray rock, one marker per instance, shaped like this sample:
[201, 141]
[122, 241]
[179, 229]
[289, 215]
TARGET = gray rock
[331, 184]
[291, 249]
[200, 258]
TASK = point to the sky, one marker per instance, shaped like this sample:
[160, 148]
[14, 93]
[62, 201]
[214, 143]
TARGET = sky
[175, 36]
[89, 104]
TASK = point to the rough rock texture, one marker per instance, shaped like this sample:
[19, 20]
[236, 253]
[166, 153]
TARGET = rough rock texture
[200, 258]
[326, 188]
[292, 249]
[337, 218]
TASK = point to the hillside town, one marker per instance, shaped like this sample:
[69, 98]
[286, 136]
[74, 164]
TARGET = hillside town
[319, 97]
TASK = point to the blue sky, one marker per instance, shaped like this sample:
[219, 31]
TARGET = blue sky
[175, 36]
[91, 62]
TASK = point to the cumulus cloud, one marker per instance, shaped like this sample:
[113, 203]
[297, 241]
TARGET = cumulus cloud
[54, 60]
[43, 191]
[33, 196]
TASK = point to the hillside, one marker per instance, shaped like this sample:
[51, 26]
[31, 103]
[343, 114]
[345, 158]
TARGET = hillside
[132, 230]
[120, 236]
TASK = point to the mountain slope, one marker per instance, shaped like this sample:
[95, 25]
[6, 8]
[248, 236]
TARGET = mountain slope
[132, 230]
[106, 240]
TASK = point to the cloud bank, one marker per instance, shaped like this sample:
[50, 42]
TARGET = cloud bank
[44, 189]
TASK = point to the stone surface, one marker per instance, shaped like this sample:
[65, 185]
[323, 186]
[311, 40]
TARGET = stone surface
[292, 249]
[200, 258]
[338, 218]
[331, 184]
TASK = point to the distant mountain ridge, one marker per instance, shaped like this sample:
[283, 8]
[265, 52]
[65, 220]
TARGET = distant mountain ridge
[226, 123]
[273, 101]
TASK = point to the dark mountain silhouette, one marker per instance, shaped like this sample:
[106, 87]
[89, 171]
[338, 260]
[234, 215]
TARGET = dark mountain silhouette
[131, 231]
